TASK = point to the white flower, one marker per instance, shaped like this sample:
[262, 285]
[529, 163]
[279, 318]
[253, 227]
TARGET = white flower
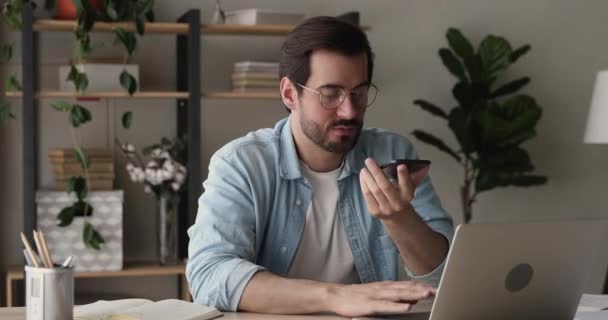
[147, 189]
[175, 186]
[180, 177]
[156, 153]
[165, 155]
[130, 148]
[130, 166]
[133, 176]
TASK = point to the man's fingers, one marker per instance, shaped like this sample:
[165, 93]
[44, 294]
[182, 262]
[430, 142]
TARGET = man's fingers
[389, 307]
[370, 199]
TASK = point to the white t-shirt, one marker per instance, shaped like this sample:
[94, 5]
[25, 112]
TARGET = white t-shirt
[323, 253]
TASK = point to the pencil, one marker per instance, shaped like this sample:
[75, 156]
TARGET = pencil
[30, 252]
[46, 249]
[41, 250]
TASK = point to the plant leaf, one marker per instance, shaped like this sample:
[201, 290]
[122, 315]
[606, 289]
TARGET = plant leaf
[49, 5]
[91, 237]
[78, 185]
[127, 117]
[128, 82]
[436, 142]
[65, 216]
[127, 39]
[111, 12]
[5, 112]
[79, 115]
[13, 84]
[528, 180]
[459, 44]
[495, 55]
[82, 209]
[510, 87]
[62, 106]
[7, 52]
[83, 158]
[431, 108]
[139, 26]
[80, 79]
[517, 53]
[452, 63]
[460, 125]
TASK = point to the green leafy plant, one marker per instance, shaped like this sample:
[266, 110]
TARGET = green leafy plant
[490, 122]
[78, 116]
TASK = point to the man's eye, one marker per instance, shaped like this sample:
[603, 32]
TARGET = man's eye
[331, 93]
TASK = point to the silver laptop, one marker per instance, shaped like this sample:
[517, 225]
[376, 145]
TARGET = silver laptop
[517, 271]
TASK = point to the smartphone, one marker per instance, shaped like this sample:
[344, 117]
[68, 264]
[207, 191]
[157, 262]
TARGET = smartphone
[413, 165]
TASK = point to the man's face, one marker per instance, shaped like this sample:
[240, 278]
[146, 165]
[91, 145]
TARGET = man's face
[335, 130]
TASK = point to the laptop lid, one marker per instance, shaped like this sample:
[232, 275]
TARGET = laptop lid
[533, 270]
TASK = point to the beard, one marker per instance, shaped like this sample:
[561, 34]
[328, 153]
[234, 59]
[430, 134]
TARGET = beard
[320, 136]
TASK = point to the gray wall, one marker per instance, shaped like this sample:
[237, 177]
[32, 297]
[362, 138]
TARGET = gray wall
[568, 50]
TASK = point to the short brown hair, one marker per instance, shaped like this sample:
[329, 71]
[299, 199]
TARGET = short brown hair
[316, 33]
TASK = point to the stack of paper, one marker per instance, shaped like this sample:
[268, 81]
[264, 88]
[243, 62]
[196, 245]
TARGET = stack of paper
[592, 307]
[141, 309]
[66, 164]
[255, 76]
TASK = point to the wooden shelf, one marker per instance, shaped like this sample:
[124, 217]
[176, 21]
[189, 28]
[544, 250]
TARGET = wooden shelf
[70, 25]
[148, 95]
[170, 27]
[131, 269]
[260, 29]
[105, 94]
[243, 95]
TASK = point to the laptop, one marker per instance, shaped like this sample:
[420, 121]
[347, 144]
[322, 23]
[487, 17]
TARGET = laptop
[534, 270]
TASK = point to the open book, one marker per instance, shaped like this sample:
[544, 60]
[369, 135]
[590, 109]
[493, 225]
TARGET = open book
[141, 309]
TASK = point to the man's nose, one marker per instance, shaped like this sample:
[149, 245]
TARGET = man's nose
[348, 110]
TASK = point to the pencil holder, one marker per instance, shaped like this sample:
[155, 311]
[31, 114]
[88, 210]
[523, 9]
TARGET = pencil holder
[49, 293]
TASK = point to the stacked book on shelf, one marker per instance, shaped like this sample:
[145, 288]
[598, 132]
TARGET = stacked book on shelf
[100, 172]
[255, 76]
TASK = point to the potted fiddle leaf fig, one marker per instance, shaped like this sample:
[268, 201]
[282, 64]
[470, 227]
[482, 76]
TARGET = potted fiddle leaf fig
[491, 119]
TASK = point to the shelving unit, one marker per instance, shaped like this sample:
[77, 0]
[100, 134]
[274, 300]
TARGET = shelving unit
[188, 104]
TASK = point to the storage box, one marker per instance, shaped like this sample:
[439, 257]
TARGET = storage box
[65, 241]
[258, 16]
[102, 76]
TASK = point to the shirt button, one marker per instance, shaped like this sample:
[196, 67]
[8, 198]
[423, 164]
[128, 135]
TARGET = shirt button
[283, 250]
[298, 202]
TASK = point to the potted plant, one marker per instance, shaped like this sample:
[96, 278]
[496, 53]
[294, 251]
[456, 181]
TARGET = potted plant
[491, 121]
[164, 174]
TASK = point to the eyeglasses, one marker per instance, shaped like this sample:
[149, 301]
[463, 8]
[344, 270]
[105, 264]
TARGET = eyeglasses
[332, 97]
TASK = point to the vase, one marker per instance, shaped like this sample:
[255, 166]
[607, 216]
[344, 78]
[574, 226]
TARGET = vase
[168, 212]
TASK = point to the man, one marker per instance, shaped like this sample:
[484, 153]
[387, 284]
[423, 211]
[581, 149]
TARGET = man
[300, 218]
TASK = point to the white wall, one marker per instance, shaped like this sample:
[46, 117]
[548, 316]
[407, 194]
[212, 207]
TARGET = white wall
[567, 50]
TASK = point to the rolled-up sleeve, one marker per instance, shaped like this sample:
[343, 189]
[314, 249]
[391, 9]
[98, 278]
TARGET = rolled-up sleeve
[428, 206]
[221, 252]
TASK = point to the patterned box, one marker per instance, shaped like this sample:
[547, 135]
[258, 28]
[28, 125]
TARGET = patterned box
[66, 241]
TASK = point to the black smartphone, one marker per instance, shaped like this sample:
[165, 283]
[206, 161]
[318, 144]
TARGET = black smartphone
[413, 165]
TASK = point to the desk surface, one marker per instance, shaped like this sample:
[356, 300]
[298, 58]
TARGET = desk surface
[19, 314]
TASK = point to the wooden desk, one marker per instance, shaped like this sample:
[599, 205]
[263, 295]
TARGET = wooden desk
[19, 314]
[131, 269]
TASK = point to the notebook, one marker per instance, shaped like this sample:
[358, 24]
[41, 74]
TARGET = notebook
[142, 309]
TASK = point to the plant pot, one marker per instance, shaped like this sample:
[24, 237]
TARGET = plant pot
[66, 10]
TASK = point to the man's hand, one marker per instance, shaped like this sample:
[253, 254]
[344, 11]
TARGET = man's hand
[384, 198]
[388, 297]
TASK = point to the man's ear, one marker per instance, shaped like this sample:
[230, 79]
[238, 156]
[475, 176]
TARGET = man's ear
[289, 94]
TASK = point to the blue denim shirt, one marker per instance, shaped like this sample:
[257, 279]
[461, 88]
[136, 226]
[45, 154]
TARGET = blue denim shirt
[252, 214]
